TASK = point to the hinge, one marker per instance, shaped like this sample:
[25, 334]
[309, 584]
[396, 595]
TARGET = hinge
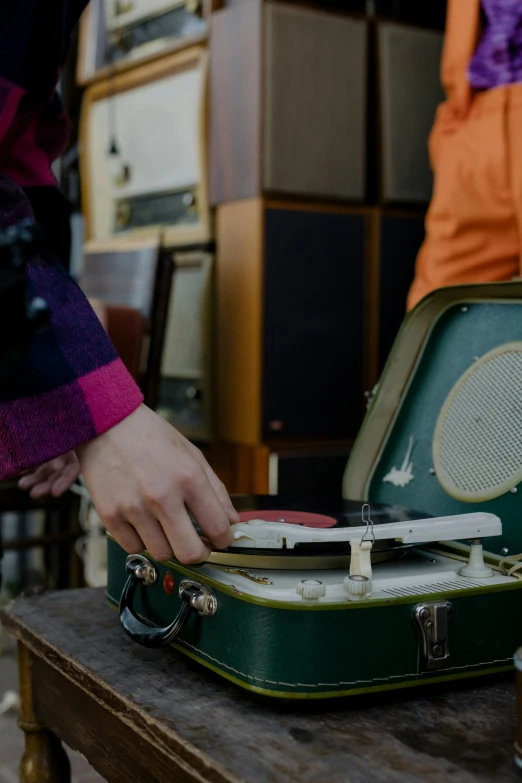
[370, 395]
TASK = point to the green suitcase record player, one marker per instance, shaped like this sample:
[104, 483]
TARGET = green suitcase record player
[320, 600]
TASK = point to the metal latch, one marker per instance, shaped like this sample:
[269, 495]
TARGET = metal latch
[433, 622]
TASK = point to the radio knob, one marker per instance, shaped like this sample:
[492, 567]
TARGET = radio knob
[193, 394]
[311, 589]
[122, 7]
[122, 41]
[123, 214]
[189, 200]
[194, 7]
[357, 587]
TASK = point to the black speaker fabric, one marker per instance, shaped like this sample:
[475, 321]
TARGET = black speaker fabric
[410, 91]
[313, 323]
[401, 237]
[430, 13]
[311, 474]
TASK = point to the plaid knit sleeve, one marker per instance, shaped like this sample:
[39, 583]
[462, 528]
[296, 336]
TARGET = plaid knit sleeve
[72, 386]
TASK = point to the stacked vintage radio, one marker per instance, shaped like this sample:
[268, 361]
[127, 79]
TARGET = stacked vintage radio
[313, 133]
[315, 246]
[144, 185]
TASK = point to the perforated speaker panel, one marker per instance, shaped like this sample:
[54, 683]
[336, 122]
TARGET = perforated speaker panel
[477, 446]
[315, 76]
[410, 90]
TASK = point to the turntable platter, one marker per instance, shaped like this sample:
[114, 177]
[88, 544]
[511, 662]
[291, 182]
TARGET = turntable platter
[322, 514]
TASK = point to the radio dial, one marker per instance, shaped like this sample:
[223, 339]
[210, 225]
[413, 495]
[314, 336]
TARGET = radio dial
[123, 7]
[194, 7]
[123, 215]
[189, 200]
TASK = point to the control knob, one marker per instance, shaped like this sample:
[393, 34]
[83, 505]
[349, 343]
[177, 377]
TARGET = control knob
[357, 587]
[311, 589]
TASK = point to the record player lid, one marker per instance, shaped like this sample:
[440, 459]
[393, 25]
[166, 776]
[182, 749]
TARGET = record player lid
[455, 370]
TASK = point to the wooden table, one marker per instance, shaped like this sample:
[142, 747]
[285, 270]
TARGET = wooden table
[155, 716]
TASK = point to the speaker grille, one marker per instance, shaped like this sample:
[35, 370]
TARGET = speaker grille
[437, 587]
[477, 446]
[409, 65]
[315, 78]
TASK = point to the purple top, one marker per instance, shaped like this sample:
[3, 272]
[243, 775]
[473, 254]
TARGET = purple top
[498, 57]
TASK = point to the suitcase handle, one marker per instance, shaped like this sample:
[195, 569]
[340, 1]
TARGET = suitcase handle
[194, 596]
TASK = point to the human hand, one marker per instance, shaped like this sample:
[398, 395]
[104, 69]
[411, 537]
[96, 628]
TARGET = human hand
[52, 478]
[144, 478]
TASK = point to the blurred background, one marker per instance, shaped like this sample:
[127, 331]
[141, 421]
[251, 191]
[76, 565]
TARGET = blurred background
[248, 182]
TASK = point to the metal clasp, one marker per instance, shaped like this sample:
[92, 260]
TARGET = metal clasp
[433, 622]
[142, 568]
[200, 598]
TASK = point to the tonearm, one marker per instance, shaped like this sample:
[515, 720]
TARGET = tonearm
[258, 534]
[276, 535]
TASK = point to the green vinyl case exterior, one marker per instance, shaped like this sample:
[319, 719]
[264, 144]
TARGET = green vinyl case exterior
[307, 650]
[323, 651]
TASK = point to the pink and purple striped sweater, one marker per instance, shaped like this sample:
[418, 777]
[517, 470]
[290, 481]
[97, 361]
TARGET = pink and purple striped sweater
[73, 386]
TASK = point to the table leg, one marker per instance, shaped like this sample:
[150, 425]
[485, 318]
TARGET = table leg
[44, 759]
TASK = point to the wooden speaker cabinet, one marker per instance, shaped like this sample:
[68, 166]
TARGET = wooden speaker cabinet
[394, 238]
[290, 320]
[288, 98]
[313, 470]
[408, 93]
[118, 34]
[143, 152]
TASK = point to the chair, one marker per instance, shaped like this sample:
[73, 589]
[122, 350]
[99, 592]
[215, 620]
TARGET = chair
[56, 540]
[130, 284]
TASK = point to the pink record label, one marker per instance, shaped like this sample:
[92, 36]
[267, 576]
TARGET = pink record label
[290, 518]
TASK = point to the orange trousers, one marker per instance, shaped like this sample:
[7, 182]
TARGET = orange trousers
[474, 222]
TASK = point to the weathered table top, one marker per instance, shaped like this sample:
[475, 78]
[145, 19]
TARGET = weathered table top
[464, 733]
